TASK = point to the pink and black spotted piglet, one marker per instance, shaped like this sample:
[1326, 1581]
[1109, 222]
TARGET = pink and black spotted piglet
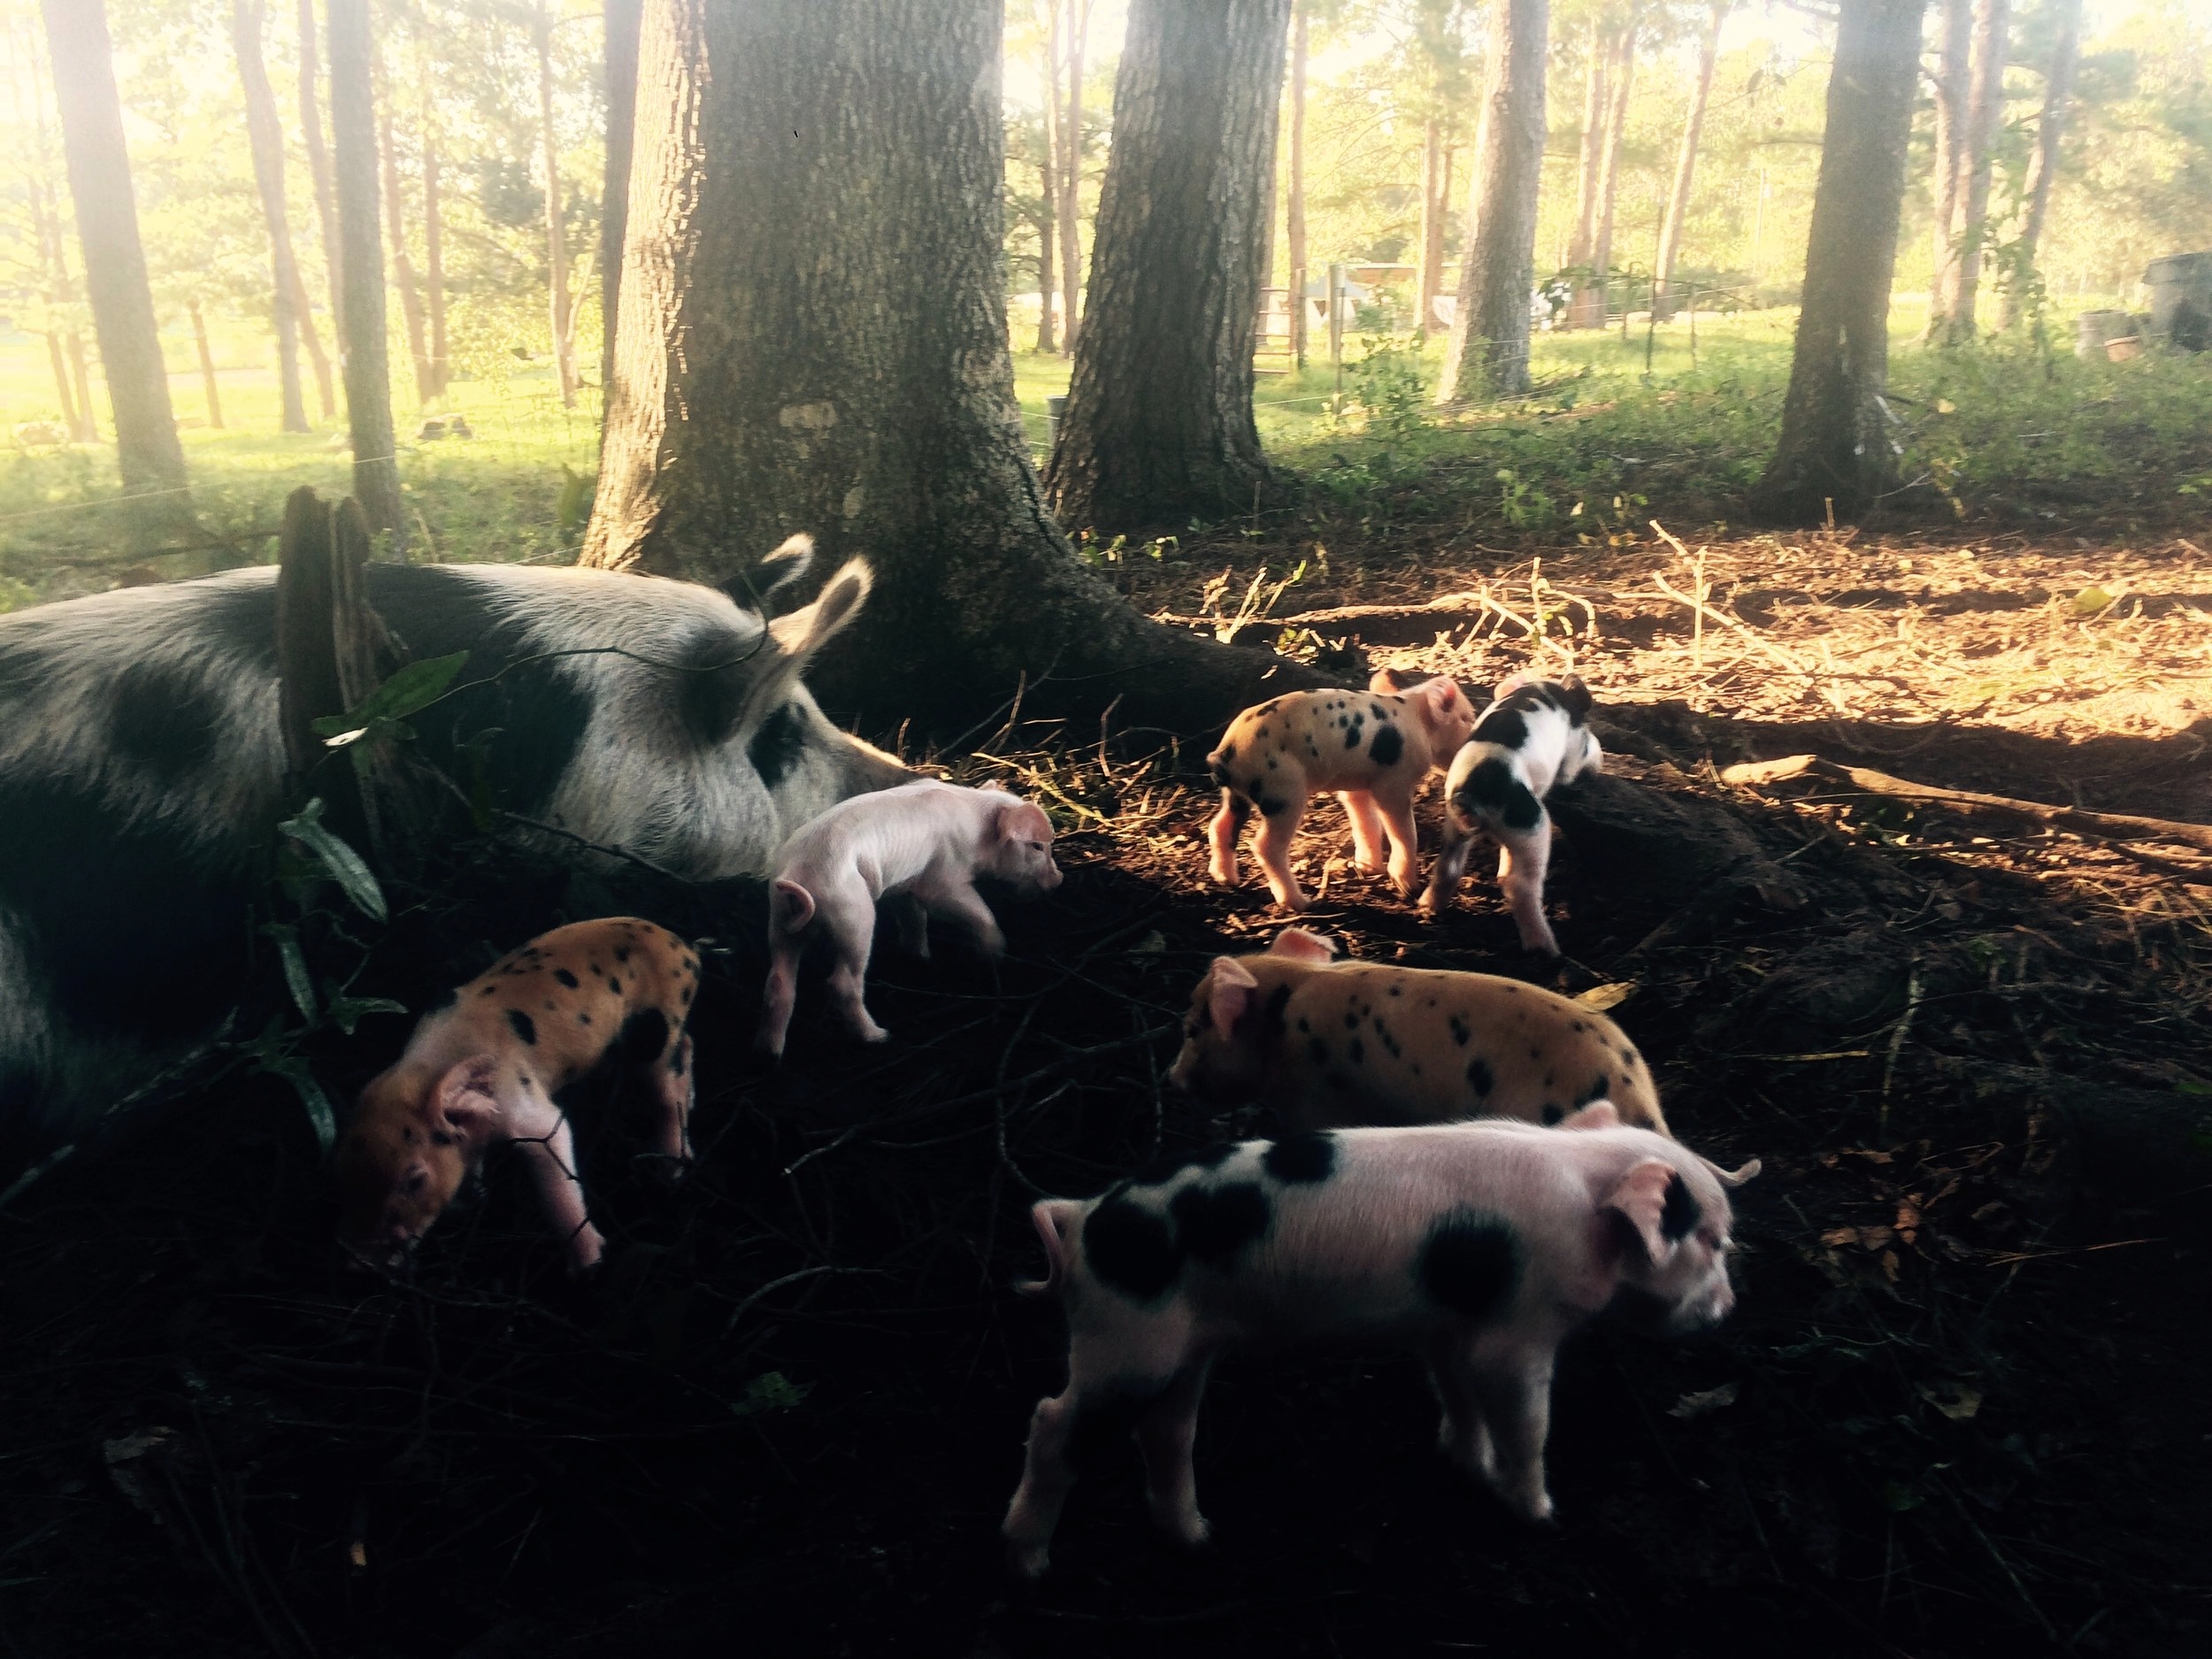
[1481, 1245]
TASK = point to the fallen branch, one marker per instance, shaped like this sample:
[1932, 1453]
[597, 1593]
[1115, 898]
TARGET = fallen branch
[1968, 803]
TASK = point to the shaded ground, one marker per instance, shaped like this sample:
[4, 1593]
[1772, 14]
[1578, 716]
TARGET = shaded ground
[1959, 1411]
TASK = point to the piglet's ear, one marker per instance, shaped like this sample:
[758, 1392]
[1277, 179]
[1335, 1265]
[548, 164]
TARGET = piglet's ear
[1229, 988]
[1022, 820]
[1575, 694]
[1599, 1114]
[1301, 946]
[465, 1098]
[1641, 1200]
[1390, 679]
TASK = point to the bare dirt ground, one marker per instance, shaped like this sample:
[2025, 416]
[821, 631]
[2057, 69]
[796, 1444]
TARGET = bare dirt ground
[1958, 1413]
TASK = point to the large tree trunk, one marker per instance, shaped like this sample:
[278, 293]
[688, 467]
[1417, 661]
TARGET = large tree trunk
[361, 258]
[1295, 207]
[1159, 420]
[265, 137]
[1619, 79]
[822, 386]
[556, 231]
[151, 458]
[1985, 109]
[1954, 46]
[403, 275]
[614, 214]
[1835, 445]
[1685, 164]
[318, 169]
[2058, 92]
[1595, 104]
[1489, 352]
[1079, 31]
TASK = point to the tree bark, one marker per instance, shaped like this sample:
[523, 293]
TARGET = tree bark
[361, 258]
[1159, 418]
[1079, 27]
[1488, 350]
[403, 275]
[82, 376]
[1595, 105]
[1685, 164]
[822, 386]
[265, 138]
[318, 169]
[1047, 294]
[151, 459]
[433, 252]
[1985, 109]
[614, 215]
[1948, 85]
[1431, 244]
[1618, 80]
[555, 232]
[1295, 209]
[208, 387]
[2058, 92]
[1835, 444]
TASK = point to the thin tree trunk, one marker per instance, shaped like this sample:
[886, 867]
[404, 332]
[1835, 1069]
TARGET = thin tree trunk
[1618, 80]
[151, 458]
[1431, 242]
[1489, 352]
[303, 314]
[361, 258]
[1595, 105]
[1046, 292]
[1295, 211]
[1159, 418]
[1953, 49]
[2058, 92]
[76, 411]
[1685, 164]
[876, 411]
[621, 52]
[318, 169]
[555, 232]
[209, 389]
[80, 372]
[265, 138]
[403, 267]
[1078, 29]
[1985, 109]
[1835, 445]
[433, 252]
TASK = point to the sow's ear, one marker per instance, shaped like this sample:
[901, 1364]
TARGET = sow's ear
[463, 1101]
[1641, 1199]
[1599, 1114]
[796, 638]
[754, 588]
[1301, 946]
[1229, 988]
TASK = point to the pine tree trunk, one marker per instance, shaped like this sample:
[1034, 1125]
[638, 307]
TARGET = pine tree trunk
[856, 382]
[265, 137]
[63, 394]
[1985, 110]
[556, 231]
[1618, 80]
[403, 267]
[82, 376]
[433, 253]
[76, 411]
[1295, 209]
[1489, 352]
[1835, 445]
[361, 258]
[1159, 420]
[2058, 92]
[1078, 29]
[621, 53]
[151, 459]
[1595, 105]
[1046, 294]
[208, 387]
[1948, 90]
[1431, 241]
[1685, 164]
[318, 169]
[303, 314]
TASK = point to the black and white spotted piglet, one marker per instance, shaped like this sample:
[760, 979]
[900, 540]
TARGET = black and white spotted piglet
[1478, 1244]
[1533, 736]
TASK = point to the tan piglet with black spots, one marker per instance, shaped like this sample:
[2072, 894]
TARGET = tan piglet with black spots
[485, 1065]
[1372, 748]
[1332, 1043]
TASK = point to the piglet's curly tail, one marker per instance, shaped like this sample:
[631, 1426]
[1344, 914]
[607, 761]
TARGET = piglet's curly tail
[1056, 1219]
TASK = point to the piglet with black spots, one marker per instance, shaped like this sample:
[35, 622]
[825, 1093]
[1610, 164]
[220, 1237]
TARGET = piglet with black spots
[1533, 735]
[921, 846]
[1479, 1245]
[485, 1065]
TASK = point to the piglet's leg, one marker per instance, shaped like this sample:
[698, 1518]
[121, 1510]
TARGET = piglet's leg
[1171, 1485]
[1367, 829]
[782, 991]
[963, 906]
[1221, 836]
[1460, 1436]
[1396, 806]
[1515, 1398]
[1047, 1475]
[552, 1159]
[1522, 855]
[1451, 866]
[672, 1089]
[909, 922]
[1278, 830]
[849, 919]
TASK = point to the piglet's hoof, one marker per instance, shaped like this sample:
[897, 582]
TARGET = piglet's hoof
[664, 1168]
[1028, 1562]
